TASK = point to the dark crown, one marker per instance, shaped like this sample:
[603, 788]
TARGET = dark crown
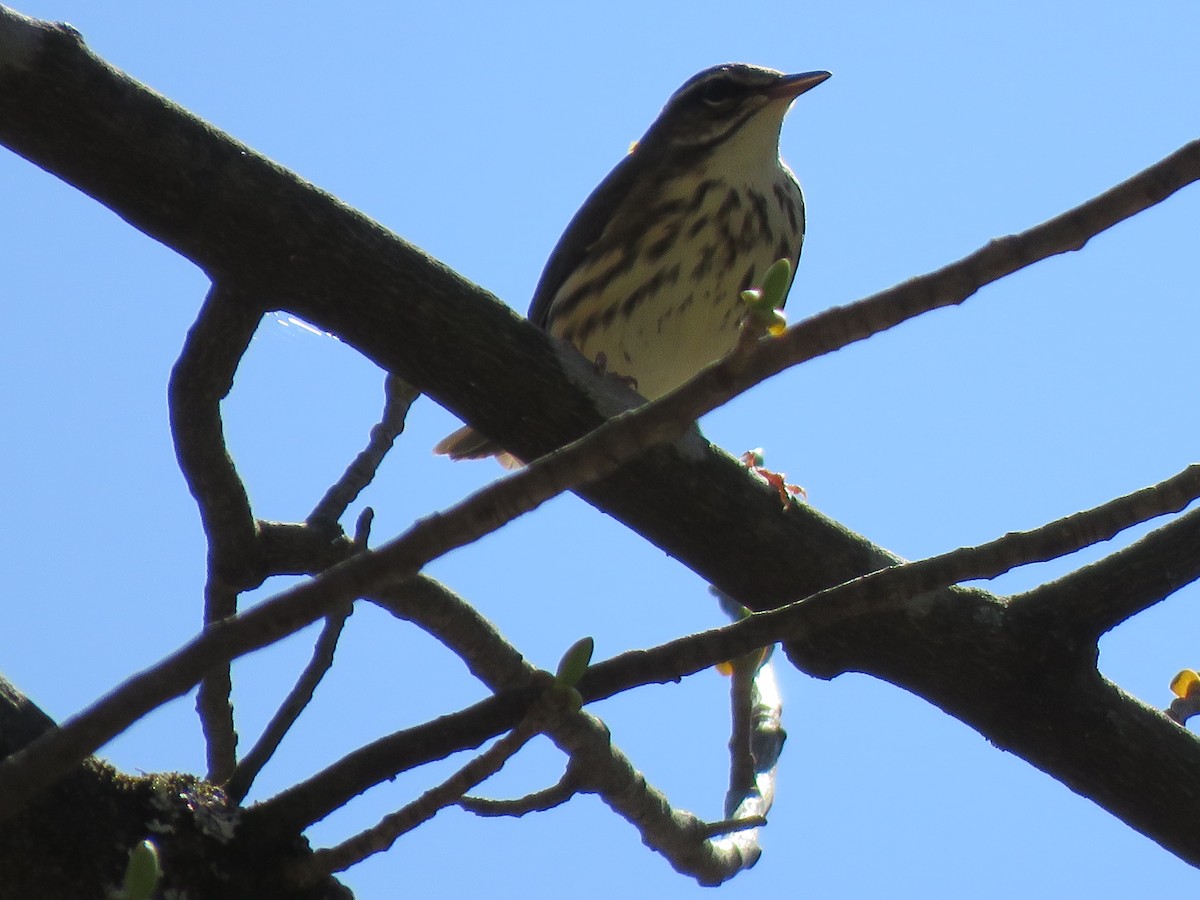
[713, 104]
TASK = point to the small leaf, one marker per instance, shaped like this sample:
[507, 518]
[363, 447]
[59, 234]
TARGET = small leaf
[575, 662]
[765, 302]
[776, 281]
[143, 872]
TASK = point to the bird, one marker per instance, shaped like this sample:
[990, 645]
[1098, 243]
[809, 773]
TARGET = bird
[646, 279]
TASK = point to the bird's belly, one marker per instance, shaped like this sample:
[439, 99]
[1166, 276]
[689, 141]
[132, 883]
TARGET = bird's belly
[671, 334]
[662, 316]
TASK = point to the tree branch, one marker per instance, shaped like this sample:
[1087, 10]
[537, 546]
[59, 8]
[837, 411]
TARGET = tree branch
[238, 784]
[237, 214]
[382, 835]
[201, 378]
[398, 398]
[176, 178]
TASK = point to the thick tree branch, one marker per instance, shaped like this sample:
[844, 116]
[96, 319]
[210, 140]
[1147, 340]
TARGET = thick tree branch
[231, 211]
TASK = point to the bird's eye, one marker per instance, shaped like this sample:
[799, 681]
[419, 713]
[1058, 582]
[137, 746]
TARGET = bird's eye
[718, 93]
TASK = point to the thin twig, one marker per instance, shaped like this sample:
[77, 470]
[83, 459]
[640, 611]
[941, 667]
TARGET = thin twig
[550, 706]
[537, 801]
[741, 759]
[398, 397]
[729, 826]
[1183, 708]
[298, 698]
[741, 701]
[756, 733]
[382, 835]
[872, 593]
[213, 700]
[752, 795]
[362, 528]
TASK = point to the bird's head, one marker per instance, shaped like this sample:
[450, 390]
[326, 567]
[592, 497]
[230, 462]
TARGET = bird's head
[723, 101]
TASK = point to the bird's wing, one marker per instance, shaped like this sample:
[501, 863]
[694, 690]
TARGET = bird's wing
[581, 233]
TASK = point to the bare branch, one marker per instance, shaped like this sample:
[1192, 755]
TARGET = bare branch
[952, 284]
[241, 554]
[1184, 708]
[54, 754]
[1098, 597]
[682, 838]
[891, 589]
[201, 378]
[398, 397]
[381, 836]
[755, 742]
[595, 765]
[238, 784]
[538, 801]
[460, 627]
[741, 757]
[728, 826]
[213, 700]
[758, 738]
[473, 638]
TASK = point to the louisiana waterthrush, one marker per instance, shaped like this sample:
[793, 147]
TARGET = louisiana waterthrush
[646, 279]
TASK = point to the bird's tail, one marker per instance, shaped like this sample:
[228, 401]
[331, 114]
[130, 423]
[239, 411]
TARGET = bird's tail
[467, 443]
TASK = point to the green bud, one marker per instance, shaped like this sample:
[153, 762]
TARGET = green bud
[575, 662]
[775, 283]
[143, 872]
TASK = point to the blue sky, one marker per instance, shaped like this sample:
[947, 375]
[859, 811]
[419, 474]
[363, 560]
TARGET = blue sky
[474, 131]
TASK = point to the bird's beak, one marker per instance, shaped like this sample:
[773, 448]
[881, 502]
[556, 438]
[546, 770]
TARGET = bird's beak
[792, 86]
